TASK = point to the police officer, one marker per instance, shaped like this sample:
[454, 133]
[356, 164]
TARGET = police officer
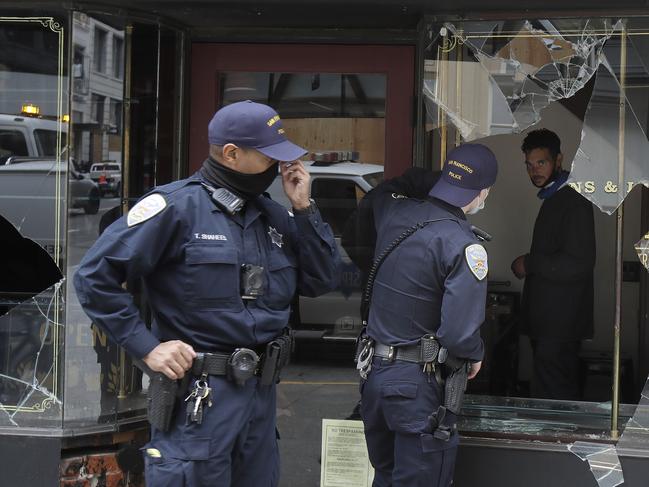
[220, 264]
[431, 289]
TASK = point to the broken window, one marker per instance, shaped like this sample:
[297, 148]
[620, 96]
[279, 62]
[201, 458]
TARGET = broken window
[33, 202]
[587, 80]
[486, 79]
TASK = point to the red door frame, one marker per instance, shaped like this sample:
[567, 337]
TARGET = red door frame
[396, 62]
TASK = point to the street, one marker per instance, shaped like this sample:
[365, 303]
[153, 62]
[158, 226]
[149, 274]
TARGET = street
[321, 383]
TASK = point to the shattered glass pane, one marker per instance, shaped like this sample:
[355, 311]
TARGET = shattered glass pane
[608, 136]
[490, 78]
[32, 197]
[544, 419]
[30, 360]
[635, 436]
[642, 248]
[603, 462]
[33, 201]
[518, 69]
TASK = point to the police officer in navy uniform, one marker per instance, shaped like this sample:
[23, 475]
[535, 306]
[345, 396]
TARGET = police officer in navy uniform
[220, 263]
[431, 286]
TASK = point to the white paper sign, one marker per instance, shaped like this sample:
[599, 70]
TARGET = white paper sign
[344, 455]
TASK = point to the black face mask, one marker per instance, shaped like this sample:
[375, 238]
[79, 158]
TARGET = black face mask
[247, 186]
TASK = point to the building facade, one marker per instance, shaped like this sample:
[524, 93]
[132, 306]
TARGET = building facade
[398, 84]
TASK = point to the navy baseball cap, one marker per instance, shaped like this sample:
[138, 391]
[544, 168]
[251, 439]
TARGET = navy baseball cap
[468, 169]
[253, 125]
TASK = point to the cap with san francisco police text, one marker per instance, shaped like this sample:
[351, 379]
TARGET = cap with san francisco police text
[253, 125]
[468, 169]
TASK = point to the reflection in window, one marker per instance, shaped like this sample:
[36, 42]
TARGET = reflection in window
[296, 95]
[97, 108]
[320, 111]
[118, 57]
[336, 200]
[45, 142]
[99, 58]
[374, 179]
[32, 204]
[12, 143]
[115, 116]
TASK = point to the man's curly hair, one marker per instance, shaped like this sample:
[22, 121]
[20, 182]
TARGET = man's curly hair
[542, 139]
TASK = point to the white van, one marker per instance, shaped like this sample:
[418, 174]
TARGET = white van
[22, 136]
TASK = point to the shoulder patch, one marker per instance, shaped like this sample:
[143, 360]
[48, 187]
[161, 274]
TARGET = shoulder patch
[145, 209]
[476, 259]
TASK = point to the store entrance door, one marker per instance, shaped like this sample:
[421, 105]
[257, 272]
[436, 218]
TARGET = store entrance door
[352, 102]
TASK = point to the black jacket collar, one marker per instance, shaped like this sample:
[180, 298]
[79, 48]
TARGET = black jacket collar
[453, 210]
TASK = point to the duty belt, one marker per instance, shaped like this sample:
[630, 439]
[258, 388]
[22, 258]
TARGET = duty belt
[426, 351]
[243, 363]
[210, 363]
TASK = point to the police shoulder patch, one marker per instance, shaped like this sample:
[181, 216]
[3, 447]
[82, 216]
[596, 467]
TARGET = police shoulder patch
[145, 209]
[476, 258]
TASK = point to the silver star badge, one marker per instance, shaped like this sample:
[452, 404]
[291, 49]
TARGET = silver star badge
[275, 236]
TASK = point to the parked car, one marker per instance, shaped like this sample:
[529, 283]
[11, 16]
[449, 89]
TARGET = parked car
[337, 185]
[108, 175]
[28, 193]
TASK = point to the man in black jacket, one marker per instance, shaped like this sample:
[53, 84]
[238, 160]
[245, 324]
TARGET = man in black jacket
[557, 306]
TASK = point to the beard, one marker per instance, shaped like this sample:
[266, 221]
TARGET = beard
[544, 182]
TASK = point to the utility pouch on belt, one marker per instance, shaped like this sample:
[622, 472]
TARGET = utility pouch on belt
[161, 399]
[429, 349]
[276, 357]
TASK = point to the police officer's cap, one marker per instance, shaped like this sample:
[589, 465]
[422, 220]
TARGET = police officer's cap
[253, 125]
[468, 169]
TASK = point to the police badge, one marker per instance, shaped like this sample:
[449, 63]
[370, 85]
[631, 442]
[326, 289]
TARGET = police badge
[145, 209]
[275, 236]
[476, 258]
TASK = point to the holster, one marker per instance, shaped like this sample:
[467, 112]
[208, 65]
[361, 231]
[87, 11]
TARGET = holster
[454, 388]
[275, 357]
[161, 399]
[457, 373]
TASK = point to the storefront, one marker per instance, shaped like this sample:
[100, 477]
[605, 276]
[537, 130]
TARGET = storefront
[100, 104]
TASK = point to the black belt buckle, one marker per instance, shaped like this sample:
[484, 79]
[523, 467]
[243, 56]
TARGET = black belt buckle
[242, 365]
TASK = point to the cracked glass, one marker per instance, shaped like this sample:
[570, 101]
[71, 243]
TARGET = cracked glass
[493, 82]
[508, 72]
[636, 433]
[33, 201]
[544, 419]
[602, 460]
[30, 394]
[492, 78]
[642, 248]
